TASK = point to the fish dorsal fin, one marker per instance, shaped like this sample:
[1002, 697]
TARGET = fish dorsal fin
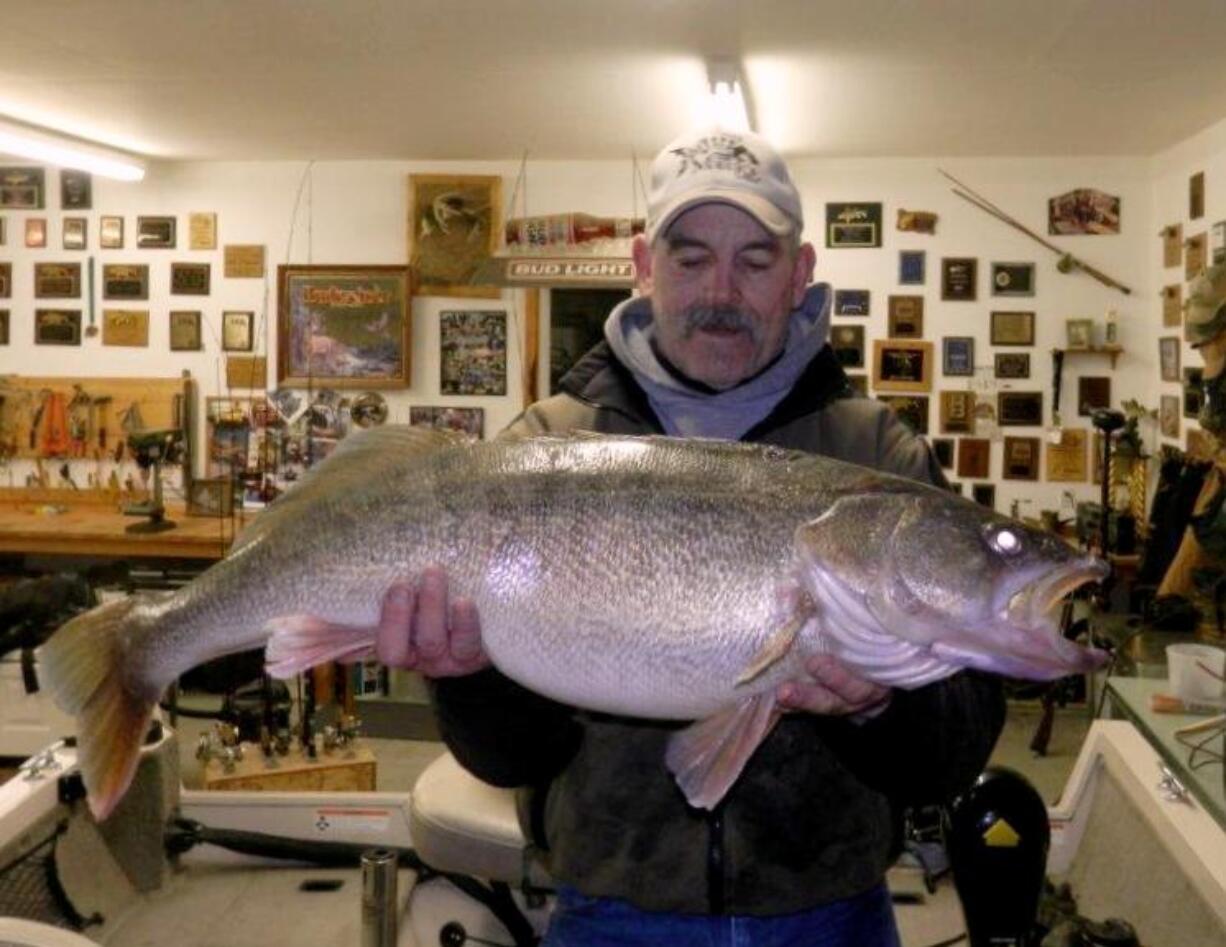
[708, 756]
[359, 457]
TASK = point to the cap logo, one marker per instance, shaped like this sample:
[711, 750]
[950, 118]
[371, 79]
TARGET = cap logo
[719, 153]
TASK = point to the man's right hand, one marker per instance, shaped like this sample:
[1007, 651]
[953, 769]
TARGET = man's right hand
[419, 630]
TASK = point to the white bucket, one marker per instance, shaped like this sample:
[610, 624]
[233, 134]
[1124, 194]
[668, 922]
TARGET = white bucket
[1191, 669]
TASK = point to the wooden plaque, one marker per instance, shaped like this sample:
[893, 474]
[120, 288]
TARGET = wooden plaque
[127, 327]
[1066, 461]
[244, 261]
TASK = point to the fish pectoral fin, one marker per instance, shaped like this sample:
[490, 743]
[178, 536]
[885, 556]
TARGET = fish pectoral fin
[299, 642]
[708, 756]
[774, 649]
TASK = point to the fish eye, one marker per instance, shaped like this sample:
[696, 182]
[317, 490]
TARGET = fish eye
[1005, 540]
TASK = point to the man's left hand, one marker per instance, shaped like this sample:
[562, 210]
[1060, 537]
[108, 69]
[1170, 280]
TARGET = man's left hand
[831, 689]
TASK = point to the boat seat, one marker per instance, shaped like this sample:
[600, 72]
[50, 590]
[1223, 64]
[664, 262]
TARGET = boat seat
[464, 826]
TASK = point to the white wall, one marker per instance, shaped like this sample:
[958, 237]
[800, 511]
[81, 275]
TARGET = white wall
[354, 212]
[1169, 173]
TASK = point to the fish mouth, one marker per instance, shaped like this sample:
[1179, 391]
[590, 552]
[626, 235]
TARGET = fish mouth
[1038, 602]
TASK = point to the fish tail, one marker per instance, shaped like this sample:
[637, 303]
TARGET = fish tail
[299, 642]
[81, 665]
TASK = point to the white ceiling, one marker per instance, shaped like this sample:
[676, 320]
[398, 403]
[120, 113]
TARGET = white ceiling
[493, 79]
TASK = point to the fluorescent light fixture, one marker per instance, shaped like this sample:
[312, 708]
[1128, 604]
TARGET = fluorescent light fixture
[727, 106]
[37, 144]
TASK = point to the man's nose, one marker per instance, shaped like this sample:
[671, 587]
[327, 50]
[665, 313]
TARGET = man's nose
[723, 288]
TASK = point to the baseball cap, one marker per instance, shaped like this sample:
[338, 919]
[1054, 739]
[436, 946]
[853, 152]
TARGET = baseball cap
[1206, 305]
[723, 167]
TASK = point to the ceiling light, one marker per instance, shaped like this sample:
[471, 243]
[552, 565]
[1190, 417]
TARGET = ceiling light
[36, 144]
[728, 108]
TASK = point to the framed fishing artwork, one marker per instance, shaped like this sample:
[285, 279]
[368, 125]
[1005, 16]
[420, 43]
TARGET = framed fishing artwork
[468, 421]
[455, 224]
[343, 326]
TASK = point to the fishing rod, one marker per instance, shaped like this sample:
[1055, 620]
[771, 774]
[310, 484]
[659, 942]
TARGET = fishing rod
[1067, 262]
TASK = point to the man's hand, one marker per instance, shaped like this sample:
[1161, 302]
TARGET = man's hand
[420, 631]
[832, 689]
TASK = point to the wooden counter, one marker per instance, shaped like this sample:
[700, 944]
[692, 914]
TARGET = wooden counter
[92, 525]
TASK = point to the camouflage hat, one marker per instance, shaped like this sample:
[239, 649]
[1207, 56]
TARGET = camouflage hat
[1205, 309]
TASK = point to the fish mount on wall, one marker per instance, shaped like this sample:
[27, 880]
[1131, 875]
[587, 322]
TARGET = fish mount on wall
[1067, 262]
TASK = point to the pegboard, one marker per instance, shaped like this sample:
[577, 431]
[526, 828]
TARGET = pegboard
[66, 418]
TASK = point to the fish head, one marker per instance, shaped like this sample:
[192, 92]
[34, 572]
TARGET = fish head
[965, 583]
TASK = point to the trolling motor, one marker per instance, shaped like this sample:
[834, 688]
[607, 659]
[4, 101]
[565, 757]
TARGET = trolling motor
[998, 838]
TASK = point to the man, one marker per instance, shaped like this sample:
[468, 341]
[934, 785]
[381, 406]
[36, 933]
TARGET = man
[726, 339]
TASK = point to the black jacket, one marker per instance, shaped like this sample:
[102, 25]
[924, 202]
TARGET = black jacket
[815, 815]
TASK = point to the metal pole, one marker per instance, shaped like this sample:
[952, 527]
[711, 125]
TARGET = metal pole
[379, 898]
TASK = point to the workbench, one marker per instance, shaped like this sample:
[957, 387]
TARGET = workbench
[60, 522]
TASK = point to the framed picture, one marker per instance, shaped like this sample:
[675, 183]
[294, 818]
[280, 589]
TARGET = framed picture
[912, 410]
[110, 233]
[470, 421]
[455, 224]
[185, 335]
[1092, 393]
[1019, 408]
[853, 225]
[1012, 328]
[1168, 415]
[343, 326]
[6, 280]
[1193, 391]
[851, 302]
[1195, 255]
[905, 317]
[943, 450]
[911, 267]
[36, 232]
[1066, 461]
[75, 230]
[1013, 365]
[1079, 333]
[916, 221]
[473, 352]
[210, 496]
[125, 327]
[974, 458]
[957, 412]
[1172, 306]
[125, 281]
[243, 261]
[958, 278]
[1168, 357]
[984, 494]
[76, 190]
[4, 231]
[189, 279]
[1021, 458]
[1012, 279]
[155, 233]
[902, 365]
[202, 231]
[237, 331]
[4, 327]
[1196, 195]
[958, 355]
[57, 280]
[22, 188]
[57, 326]
[1083, 210]
[848, 345]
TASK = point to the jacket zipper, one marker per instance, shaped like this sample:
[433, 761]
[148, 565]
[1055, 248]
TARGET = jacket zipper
[715, 861]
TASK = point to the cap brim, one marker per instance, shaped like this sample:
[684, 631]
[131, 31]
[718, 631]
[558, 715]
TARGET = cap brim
[762, 210]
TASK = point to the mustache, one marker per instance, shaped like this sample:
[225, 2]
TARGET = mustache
[720, 319]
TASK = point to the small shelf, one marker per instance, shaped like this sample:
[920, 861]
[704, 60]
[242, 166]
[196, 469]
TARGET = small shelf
[1112, 351]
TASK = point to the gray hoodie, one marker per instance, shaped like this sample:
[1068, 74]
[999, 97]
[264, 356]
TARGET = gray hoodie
[688, 412]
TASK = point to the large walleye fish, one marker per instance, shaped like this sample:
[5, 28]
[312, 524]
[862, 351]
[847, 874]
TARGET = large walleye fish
[648, 576]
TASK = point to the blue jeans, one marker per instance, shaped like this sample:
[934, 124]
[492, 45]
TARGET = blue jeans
[866, 920]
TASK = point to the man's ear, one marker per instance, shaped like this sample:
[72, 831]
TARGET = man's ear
[802, 272]
[640, 252]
